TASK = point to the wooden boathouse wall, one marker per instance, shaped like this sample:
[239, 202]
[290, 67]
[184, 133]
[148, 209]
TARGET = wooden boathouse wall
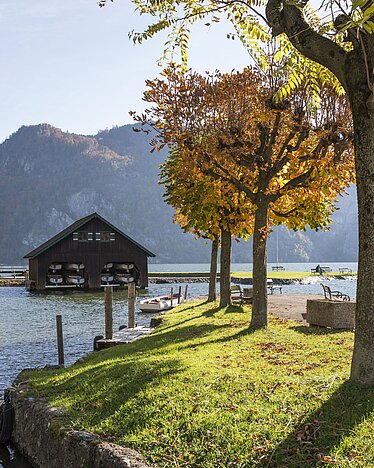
[94, 254]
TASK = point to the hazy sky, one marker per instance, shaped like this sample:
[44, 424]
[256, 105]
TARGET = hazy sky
[70, 63]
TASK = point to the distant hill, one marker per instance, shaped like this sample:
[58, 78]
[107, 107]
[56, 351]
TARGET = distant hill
[49, 178]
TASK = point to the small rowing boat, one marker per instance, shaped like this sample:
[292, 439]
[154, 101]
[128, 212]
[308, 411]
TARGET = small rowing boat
[156, 304]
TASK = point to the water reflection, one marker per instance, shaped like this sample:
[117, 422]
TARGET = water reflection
[9, 458]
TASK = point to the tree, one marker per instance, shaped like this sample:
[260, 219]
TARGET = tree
[283, 162]
[204, 205]
[344, 44]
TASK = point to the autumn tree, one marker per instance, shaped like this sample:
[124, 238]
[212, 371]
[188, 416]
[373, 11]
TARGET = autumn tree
[286, 161]
[205, 206]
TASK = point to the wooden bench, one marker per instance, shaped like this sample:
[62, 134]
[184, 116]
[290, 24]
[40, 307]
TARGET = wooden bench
[273, 287]
[345, 270]
[332, 295]
[243, 296]
[325, 269]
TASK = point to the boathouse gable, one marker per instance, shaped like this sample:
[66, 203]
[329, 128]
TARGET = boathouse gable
[94, 245]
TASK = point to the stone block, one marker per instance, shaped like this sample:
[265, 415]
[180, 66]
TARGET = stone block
[332, 314]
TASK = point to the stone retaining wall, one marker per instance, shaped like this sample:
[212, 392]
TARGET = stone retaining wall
[40, 436]
[333, 314]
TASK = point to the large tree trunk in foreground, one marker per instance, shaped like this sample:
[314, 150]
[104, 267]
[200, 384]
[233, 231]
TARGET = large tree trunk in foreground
[212, 296]
[225, 270]
[354, 70]
[260, 298]
[362, 369]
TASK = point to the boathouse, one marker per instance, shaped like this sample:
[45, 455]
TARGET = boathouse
[88, 254]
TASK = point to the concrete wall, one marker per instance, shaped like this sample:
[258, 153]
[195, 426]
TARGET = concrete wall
[40, 436]
[333, 314]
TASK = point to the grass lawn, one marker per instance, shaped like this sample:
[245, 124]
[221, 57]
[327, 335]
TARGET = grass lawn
[288, 274]
[202, 391]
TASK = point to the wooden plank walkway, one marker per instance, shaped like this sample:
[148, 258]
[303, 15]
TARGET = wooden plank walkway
[124, 336]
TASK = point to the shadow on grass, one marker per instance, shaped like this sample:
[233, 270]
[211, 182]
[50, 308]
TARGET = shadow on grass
[314, 330]
[313, 440]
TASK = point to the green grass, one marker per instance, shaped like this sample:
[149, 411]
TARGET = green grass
[202, 391]
[287, 274]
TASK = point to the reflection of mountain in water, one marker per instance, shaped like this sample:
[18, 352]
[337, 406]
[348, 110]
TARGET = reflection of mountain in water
[49, 178]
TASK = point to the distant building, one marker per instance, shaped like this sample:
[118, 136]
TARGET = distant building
[88, 254]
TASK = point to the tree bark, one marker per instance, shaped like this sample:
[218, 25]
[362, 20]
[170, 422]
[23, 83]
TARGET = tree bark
[260, 299]
[225, 270]
[212, 295]
[354, 71]
[362, 368]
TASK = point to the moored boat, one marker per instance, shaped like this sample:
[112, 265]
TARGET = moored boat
[77, 280]
[107, 278]
[74, 266]
[55, 266]
[156, 304]
[55, 279]
[123, 266]
[124, 278]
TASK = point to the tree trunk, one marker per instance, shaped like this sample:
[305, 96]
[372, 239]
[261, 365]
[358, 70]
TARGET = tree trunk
[212, 296]
[260, 298]
[225, 270]
[362, 369]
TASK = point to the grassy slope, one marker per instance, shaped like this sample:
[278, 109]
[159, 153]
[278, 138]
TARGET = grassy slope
[203, 392]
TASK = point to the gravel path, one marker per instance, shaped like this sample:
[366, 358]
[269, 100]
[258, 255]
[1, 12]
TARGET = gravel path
[290, 306]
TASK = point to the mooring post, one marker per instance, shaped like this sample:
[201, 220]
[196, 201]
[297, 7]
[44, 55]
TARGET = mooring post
[185, 292]
[131, 304]
[60, 341]
[179, 294]
[108, 292]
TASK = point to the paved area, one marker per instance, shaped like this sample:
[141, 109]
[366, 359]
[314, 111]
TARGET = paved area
[290, 306]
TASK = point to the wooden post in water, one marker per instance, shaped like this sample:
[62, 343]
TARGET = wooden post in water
[60, 341]
[185, 292]
[131, 304]
[108, 293]
[179, 294]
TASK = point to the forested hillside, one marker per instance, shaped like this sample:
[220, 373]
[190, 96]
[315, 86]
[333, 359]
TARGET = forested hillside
[49, 178]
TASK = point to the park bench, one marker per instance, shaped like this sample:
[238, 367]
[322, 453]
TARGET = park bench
[273, 287]
[332, 295]
[325, 269]
[345, 270]
[243, 296]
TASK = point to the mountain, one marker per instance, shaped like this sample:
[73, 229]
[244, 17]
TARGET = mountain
[49, 178]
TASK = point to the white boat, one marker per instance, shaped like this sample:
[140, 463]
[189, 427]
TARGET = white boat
[108, 266]
[77, 280]
[123, 266]
[55, 279]
[156, 304]
[74, 266]
[124, 278]
[55, 266]
[106, 278]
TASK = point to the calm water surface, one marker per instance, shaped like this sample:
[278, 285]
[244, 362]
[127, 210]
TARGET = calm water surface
[27, 321]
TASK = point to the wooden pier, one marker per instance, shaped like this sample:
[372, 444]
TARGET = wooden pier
[124, 336]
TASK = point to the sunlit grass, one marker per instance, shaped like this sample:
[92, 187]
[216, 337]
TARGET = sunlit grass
[202, 391]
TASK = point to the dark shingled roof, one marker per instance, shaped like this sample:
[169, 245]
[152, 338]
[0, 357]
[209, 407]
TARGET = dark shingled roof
[75, 226]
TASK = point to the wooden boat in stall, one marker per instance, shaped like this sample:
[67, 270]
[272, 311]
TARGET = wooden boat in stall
[55, 279]
[157, 304]
[123, 266]
[124, 278]
[74, 279]
[73, 266]
[106, 278]
[55, 267]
